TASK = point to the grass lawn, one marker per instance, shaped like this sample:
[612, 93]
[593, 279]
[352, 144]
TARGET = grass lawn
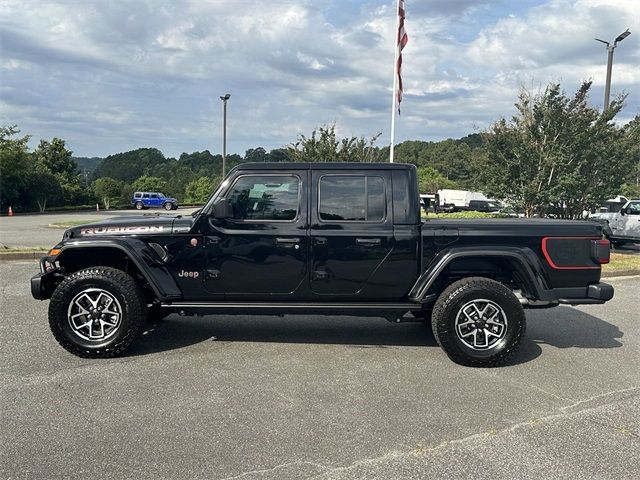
[469, 214]
[23, 250]
[21, 253]
[620, 263]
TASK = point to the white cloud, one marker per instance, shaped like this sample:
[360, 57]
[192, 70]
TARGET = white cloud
[558, 35]
[109, 76]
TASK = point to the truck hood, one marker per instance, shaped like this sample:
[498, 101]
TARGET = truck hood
[133, 225]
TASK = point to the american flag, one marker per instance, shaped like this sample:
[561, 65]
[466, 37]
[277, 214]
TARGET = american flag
[401, 41]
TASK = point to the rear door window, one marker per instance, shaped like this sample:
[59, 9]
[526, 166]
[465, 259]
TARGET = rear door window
[352, 198]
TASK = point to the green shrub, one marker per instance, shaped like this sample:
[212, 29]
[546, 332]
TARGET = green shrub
[466, 214]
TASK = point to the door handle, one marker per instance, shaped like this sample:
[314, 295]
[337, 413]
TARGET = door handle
[288, 240]
[212, 274]
[320, 275]
[368, 241]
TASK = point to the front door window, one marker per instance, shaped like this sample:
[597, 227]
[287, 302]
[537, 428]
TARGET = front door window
[272, 198]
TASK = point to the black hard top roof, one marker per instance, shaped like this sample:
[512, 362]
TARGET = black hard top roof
[322, 166]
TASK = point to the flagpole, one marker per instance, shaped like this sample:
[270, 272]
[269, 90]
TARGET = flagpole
[395, 83]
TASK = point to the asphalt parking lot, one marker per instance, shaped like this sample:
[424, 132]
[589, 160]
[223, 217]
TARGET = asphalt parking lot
[32, 230]
[320, 397]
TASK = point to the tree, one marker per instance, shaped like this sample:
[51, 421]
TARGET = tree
[456, 160]
[258, 154]
[203, 164]
[556, 153]
[53, 157]
[199, 190]
[45, 189]
[431, 180]
[107, 189]
[278, 155]
[150, 184]
[15, 166]
[128, 166]
[177, 175]
[324, 146]
[631, 132]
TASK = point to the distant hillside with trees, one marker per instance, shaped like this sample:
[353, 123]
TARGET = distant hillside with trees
[87, 164]
[556, 152]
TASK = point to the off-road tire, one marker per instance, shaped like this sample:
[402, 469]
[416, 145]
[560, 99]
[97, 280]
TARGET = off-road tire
[139, 206]
[447, 308]
[116, 283]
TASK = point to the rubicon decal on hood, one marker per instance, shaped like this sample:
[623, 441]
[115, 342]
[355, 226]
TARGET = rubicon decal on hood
[131, 229]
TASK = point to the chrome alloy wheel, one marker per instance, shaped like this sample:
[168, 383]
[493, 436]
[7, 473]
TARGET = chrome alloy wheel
[94, 314]
[481, 324]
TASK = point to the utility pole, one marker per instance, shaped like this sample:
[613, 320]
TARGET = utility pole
[224, 99]
[610, 49]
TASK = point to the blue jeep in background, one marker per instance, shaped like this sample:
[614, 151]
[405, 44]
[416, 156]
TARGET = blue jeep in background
[143, 200]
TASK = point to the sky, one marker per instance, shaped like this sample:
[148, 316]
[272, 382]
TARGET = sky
[111, 76]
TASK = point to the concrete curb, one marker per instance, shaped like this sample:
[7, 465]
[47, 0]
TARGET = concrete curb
[21, 255]
[621, 273]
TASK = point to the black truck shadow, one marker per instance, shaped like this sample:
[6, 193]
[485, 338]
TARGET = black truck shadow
[177, 332]
[566, 327]
[562, 327]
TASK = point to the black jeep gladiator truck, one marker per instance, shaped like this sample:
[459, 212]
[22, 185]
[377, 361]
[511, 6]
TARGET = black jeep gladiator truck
[320, 238]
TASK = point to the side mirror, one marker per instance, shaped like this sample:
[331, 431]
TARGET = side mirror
[221, 209]
[623, 211]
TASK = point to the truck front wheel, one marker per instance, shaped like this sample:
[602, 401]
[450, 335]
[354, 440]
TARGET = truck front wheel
[97, 312]
[478, 322]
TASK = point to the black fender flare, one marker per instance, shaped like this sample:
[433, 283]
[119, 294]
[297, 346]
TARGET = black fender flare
[524, 260]
[143, 257]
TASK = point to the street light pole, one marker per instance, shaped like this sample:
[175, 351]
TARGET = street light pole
[607, 87]
[224, 99]
[610, 49]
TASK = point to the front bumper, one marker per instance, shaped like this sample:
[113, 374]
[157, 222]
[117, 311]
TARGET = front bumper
[44, 283]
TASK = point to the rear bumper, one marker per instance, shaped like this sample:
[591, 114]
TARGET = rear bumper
[593, 294]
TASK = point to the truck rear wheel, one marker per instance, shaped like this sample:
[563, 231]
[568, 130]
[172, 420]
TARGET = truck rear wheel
[478, 322]
[97, 312]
